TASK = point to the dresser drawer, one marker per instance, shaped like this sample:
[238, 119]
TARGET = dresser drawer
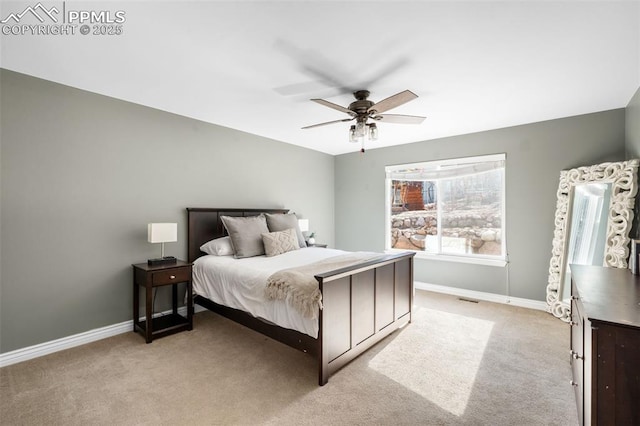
[171, 276]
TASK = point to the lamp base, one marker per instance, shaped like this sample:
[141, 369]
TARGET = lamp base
[167, 260]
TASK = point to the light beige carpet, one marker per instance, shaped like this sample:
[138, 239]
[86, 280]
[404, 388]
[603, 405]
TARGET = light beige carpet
[457, 363]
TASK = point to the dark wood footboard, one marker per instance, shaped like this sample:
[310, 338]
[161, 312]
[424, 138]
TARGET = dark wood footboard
[362, 305]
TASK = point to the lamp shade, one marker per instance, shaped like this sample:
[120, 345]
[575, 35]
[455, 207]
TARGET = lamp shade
[162, 232]
[303, 224]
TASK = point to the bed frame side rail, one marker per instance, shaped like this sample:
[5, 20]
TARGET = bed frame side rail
[293, 338]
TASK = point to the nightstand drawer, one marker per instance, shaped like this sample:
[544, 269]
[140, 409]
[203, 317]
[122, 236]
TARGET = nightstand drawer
[170, 276]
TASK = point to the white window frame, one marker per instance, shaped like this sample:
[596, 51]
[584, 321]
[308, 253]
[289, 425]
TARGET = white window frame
[478, 259]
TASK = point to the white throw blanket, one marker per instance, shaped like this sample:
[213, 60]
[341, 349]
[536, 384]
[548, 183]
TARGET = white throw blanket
[299, 287]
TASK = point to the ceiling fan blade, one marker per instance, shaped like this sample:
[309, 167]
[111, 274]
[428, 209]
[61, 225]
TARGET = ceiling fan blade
[399, 119]
[385, 72]
[393, 101]
[295, 88]
[334, 106]
[328, 122]
[322, 70]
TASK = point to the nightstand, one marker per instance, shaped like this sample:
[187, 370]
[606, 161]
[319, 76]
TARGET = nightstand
[155, 276]
[317, 245]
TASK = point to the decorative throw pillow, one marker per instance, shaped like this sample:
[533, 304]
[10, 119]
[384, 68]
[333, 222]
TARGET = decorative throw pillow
[218, 247]
[281, 222]
[276, 243]
[246, 234]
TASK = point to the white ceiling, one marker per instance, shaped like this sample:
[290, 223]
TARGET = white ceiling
[253, 66]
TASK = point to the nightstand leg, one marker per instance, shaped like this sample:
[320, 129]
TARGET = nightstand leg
[174, 298]
[149, 312]
[136, 302]
[190, 305]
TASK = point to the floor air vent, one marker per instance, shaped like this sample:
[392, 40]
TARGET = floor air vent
[467, 300]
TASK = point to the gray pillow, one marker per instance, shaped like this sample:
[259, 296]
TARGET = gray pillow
[246, 234]
[276, 243]
[281, 222]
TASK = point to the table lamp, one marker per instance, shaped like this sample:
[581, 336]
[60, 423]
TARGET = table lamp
[303, 224]
[162, 233]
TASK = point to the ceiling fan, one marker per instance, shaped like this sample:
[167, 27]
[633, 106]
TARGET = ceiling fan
[362, 110]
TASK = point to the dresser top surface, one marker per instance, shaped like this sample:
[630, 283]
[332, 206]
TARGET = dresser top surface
[608, 294]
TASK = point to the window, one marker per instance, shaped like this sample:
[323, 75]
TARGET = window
[452, 209]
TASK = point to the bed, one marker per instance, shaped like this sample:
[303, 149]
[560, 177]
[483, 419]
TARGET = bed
[361, 303]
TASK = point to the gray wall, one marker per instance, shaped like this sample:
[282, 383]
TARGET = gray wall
[83, 174]
[632, 126]
[535, 155]
[632, 146]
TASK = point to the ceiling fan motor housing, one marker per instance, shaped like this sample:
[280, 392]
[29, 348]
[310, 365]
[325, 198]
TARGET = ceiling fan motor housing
[361, 105]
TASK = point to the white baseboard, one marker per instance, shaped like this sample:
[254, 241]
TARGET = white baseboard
[69, 342]
[480, 295]
[63, 343]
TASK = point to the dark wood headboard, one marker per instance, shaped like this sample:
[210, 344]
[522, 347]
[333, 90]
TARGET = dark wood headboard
[204, 224]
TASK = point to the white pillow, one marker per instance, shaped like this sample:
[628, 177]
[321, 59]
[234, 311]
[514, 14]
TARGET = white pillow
[218, 247]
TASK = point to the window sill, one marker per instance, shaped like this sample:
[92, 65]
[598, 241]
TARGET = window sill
[457, 259]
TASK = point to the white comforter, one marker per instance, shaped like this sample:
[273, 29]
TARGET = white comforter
[240, 284]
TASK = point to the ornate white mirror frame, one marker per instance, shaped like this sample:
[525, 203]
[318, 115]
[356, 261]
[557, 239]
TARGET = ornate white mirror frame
[623, 179]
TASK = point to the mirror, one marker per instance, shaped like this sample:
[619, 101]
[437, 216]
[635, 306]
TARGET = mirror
[587, 229]
[593, 218]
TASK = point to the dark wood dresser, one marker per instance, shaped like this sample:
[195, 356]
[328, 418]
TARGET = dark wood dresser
[605, 345]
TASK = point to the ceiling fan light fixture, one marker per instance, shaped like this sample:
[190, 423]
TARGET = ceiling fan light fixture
[363, 130]
[373, 132]
[353, 136]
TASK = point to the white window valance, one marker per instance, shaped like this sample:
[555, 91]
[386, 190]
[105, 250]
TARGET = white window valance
[436, 170]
